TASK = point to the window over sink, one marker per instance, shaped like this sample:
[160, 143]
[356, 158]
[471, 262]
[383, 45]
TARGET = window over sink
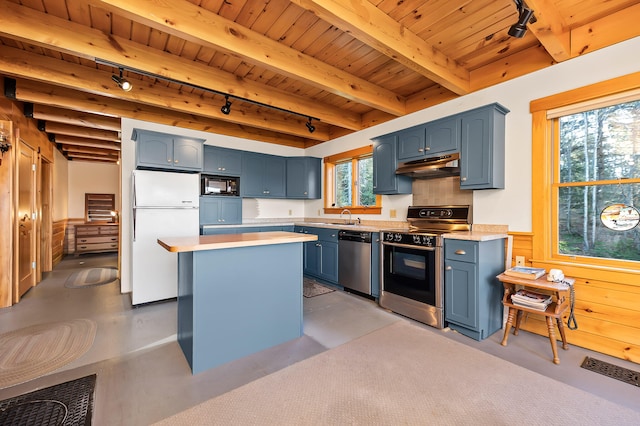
[348, 182]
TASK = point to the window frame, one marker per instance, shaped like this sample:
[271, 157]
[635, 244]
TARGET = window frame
[545, 180]
[330, 163]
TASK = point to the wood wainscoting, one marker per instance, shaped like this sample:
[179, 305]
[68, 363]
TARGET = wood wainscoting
[607, 307]
[58, 240]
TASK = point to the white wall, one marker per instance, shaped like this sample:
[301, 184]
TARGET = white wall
[511, 206]
[60, 204]
[90, 177]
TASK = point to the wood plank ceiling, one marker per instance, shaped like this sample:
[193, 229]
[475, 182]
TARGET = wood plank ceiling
[341, 65]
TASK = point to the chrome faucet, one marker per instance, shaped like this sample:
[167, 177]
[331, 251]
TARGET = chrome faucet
[348, 211]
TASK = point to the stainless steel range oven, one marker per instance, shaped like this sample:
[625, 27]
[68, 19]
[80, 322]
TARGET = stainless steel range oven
[412, 262]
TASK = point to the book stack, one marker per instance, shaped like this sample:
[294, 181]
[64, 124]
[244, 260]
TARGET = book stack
[531, 299]
[525, 272]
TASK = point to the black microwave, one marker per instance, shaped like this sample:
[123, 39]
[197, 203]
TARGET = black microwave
[219, 185]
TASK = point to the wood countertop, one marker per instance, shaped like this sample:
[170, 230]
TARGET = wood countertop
[224, 241]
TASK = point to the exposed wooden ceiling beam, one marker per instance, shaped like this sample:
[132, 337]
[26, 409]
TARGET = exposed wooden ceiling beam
[88, 150]
[372, 26]
[23, 23]
[17, 62]
[72, 140]
[193, 23]
[81, 132]
[93, 158]
[549, 29]
[31, 91]
[67, 116]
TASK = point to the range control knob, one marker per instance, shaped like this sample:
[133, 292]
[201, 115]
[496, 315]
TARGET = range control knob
[398, 237]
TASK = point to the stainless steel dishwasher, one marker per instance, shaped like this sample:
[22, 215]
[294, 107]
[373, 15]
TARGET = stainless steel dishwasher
[354, 260]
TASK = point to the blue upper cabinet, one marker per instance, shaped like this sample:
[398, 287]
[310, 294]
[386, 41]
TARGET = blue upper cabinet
[303, 177]
[222, 161]
[385, 162]
[442, 136]
[220, 210]
[167, 152]
[263, 176]
[431, 139]
[482, 148]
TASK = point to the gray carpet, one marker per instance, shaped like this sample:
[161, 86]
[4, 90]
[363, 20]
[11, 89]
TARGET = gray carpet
[404, 374]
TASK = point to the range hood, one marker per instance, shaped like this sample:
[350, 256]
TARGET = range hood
[431, 167]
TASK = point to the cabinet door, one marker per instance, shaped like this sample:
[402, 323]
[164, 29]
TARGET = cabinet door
[210, 211]
[251, 184]
[311, 258]
[154, 150]
[329, 261]
[460, 293]
[385, 180]
[443, 136]
[275, 177]
[231, 210]
[482, 148]
[411, 143]
[303, 177]
[222, 161]
[187, 154]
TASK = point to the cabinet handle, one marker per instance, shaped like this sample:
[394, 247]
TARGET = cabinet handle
[318, 245]
[420, 149]
[168, 160]
[427, 149]
[447, 268]
[175, 161]
[463, 178]
[305, 192]
[461, 252]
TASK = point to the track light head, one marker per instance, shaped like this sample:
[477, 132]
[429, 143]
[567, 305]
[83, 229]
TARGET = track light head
[310, 126]
[122, 82]
[519, 29]
[226, 108]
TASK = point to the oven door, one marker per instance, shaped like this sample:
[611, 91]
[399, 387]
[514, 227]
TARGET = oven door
[413, 273]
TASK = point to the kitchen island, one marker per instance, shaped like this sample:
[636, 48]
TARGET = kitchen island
[238, 294]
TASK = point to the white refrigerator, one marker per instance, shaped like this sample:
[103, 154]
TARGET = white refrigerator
[164, 204]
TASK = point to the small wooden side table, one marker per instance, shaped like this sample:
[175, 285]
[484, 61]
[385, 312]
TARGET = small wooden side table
[559, 290]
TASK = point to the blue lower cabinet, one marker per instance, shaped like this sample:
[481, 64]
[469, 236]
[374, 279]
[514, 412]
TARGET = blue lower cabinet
[472, 293]
[321, 257]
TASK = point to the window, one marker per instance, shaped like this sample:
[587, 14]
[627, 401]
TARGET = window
[349, 182]
[599, 152]
[586, 192]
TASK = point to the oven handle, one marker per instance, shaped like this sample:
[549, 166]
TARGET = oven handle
[410, 246]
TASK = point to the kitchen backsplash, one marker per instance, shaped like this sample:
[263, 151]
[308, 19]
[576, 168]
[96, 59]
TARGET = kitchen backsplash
[443, 191]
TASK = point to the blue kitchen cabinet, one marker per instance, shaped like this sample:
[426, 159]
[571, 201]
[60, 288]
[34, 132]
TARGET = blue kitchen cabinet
[385, 162]
[430, 139]
[472, 294]
[482, 148]
[220, 210]
[320, 258]
[303, 177]
[263, 176]
[167, 152]
[222, 161]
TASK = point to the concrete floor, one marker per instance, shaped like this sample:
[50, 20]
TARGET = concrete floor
[142, 375]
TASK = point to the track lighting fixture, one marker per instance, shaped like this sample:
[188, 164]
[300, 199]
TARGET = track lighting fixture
[226, 108]
[122, 82]
[310, 126]
[525, 17]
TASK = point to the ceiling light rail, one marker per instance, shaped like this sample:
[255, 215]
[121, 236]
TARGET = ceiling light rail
[525, 16]
[226, 108]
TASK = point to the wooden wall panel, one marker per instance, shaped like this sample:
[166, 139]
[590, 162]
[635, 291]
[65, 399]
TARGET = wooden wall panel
[607, 313]
[59, 230]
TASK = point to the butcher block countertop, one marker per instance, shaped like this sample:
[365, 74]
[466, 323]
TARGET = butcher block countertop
[225, 241]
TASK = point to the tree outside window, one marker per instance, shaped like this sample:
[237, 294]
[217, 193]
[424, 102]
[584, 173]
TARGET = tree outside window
[599, 163]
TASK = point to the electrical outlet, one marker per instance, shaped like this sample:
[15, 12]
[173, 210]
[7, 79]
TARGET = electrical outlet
[519, 260]
[290, 212]
[392, 213]
[318, 212]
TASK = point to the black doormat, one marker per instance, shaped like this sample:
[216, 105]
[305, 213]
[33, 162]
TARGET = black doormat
[611, 370]
[67, 404]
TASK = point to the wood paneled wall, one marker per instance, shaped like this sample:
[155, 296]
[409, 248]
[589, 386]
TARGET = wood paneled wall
[59, 231]
[607, 310]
